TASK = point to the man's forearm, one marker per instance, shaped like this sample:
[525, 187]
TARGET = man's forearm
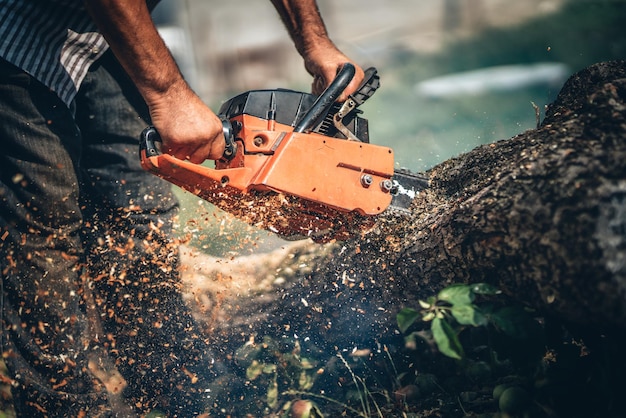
[304, 24]
[128, 28]
[188, 128]
[322, 58]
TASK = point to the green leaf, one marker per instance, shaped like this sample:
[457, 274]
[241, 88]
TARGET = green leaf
[514, 321]
[406, 317]
[254, 370]
[247, 353]
[307, 363]
[316, 412]
[272, 394]
[424, 305]
[468, 315]
[457, 294]
[269, 368]
[305, 381]
[484, 289]
[284, 411]
[428, 316]
[446, 339]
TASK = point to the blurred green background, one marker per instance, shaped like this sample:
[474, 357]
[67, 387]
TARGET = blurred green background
[425, 131]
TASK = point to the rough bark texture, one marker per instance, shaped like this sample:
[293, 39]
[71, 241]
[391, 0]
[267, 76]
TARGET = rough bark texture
[542, 216]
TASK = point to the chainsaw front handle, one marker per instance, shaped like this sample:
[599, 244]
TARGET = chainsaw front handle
[148, 142]
[326, 99]
[150, 137]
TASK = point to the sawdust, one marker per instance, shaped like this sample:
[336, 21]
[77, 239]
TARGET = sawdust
[287, 216]
[213, 284]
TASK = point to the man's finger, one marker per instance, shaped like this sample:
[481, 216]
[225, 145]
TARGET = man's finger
[318, 85]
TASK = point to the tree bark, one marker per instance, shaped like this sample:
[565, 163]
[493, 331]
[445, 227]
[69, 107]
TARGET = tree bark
[541, 216]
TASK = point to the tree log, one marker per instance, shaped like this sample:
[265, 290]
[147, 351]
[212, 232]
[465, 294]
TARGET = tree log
[541, 216]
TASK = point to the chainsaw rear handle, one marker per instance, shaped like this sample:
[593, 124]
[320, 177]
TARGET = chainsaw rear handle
[326, 99]
[150, 136]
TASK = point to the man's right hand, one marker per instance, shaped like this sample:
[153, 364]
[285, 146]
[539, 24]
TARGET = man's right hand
[188, 128]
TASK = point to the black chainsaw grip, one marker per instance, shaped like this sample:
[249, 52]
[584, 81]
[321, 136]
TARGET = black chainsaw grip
[147, 141]
[326, 99]
[230, 148]
[150, 136]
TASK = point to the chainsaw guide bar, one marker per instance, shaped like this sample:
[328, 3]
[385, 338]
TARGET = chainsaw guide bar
[293, 166]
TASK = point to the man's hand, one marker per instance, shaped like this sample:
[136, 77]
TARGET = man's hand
[324, 65]
[188, 128]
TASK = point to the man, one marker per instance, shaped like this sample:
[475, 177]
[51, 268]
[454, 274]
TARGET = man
[82, 227]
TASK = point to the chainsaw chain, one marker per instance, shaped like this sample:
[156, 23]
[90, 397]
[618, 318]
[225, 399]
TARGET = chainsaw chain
[406, 185]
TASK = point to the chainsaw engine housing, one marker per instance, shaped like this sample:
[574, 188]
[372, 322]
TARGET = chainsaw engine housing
[288, 107]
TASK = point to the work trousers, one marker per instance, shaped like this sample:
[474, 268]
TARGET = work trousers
[89, 267]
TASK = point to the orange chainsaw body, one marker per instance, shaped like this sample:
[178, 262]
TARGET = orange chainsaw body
[335, 182]
[294, 163]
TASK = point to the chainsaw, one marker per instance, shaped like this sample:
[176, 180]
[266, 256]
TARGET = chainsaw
[296, 164]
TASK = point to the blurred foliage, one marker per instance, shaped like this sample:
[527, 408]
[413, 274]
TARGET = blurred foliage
[583, 32]
[6, 400]
[505, 360]
[276, 368]
[424, 132]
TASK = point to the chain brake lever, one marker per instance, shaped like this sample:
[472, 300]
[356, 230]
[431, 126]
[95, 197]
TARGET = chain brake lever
[371, 82]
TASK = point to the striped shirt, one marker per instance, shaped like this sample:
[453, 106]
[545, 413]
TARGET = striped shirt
[55, 41]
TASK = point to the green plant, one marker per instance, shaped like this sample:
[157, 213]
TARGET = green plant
[369, 405]
[457, 307]
[284, 379]
[453, 305]
[281, 370]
